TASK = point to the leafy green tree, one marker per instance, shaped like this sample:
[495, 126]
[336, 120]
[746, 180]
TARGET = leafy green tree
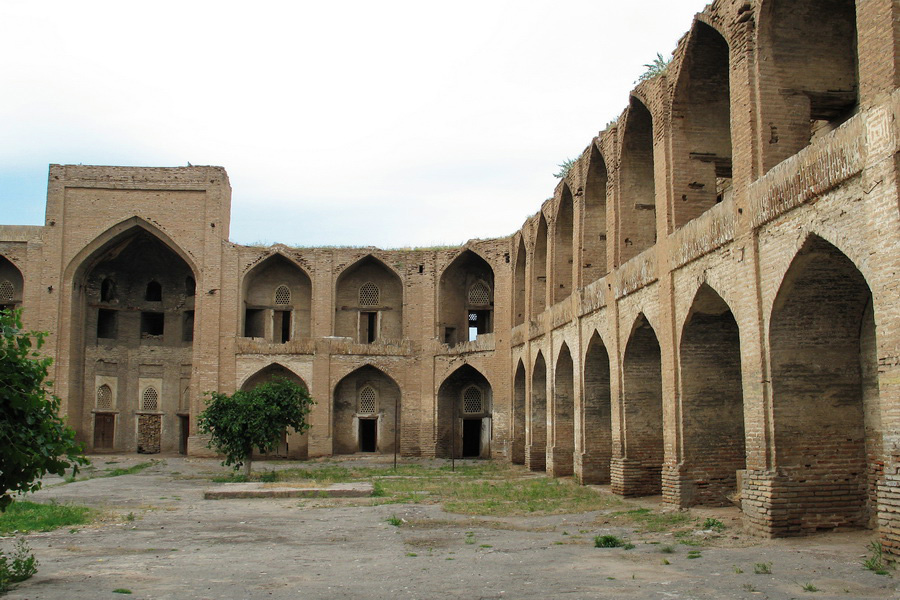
[34, 439]
[254, 418]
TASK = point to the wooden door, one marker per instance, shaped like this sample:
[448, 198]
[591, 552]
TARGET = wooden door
[104, 431]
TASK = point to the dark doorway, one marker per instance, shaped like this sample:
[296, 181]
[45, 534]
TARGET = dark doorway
[104, 431]
[282, 326]
[471, 438]
[184, 422]
[368, 436]
[368, 327]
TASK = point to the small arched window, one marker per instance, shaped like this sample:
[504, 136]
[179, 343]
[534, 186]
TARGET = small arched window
[190, 286]
[154, 292]
[479, 294]
[150, 399]
[7, 291]
[473, 400]
[107, 290]
[282, 295]
[104, 397]
[368, 401]
[368, 294]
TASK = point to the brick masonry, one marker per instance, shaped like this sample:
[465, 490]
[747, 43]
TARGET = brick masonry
[705, 309]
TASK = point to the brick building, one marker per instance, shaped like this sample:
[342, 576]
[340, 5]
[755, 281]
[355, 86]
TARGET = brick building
[706, 308]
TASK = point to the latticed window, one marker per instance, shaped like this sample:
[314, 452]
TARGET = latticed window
[473, 401]
[282, 295]
[150, 399]
[367, 401]
[479, 294]
[6, 290]
[104, 397]
[368, 294]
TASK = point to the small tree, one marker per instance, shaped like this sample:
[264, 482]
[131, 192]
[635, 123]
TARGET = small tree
[34, 439]
[255, 418]
[565, 167]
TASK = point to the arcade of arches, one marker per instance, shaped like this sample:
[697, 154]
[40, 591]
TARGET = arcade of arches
[706, 308]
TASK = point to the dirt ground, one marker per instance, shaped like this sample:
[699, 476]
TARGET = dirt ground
[161, 540]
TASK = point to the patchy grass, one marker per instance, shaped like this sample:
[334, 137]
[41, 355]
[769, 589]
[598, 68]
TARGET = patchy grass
[24, 516]
[649, 521]
[132, 470]
[762, 568]
[609, 541]
[489, 489]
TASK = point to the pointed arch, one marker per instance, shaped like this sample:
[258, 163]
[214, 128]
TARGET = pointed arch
[368, 324]
[12, 284]
[277, 300]
[642, 405]
[518, 418]
[519, 308]
[712, 402]
[597, 422]
[701, 110]
[593, 228]
[463, 433]
[466, 298]
[367, 411]
[147, 309]
[539, 269]
[637, 209]
[809, 72]
[536, 451]
[563, 246]
[561, 453]
[271, 371]
[825, 394]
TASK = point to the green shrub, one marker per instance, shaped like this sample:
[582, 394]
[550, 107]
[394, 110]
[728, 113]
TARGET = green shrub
[608, 541]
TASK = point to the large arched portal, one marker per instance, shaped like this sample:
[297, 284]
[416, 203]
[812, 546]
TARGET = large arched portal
[518, 420]
[366, 412]
[133, 320]
[825, 392]
[465, 402]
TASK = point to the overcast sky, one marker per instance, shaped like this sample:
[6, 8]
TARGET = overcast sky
[385, 123]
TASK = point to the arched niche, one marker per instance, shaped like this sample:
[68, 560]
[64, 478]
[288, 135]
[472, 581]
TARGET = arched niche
[539, 269]
[519, 276]
[466, 299]
[597, 421]
[809, 72]
[277, 301]
[12, 285]
[366, 412]
[292, 445]
[519, 415]
[369, 302]
[642, 383]
[465, 402]
[712, 402]
[701, 109]
[637, 210]
[536, 451]
[593, 229]
[563, 248]
[825, 392]
[561, 453]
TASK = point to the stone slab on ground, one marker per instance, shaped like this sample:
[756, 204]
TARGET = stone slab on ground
[265, 490]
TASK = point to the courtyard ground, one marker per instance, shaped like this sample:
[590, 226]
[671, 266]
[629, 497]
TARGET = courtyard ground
[156, 537]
